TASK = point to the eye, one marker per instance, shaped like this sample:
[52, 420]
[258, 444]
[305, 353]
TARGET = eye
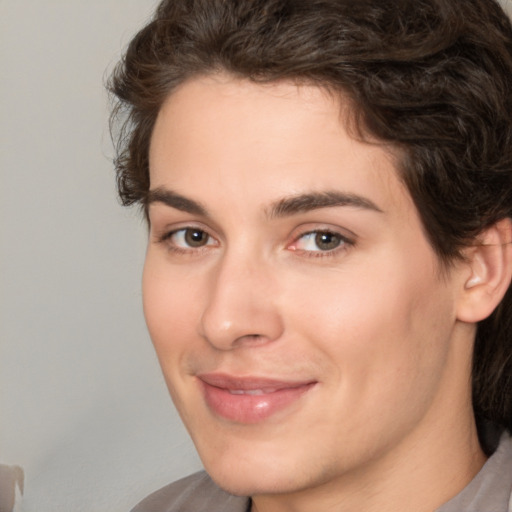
[319, 241]
[189, 238]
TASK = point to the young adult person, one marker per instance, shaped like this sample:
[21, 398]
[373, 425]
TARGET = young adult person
[328, 188]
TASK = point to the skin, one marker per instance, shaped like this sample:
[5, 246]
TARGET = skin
[373, 323]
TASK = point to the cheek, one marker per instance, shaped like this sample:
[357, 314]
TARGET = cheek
[171, 317]
[169, 309]
[380, 364]
[379, 331]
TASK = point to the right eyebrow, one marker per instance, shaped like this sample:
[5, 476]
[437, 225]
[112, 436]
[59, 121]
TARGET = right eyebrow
[174, 200]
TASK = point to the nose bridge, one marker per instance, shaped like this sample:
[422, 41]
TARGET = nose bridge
[240, 307]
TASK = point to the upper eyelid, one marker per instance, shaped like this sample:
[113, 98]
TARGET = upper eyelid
[165, 239]
[346, 239]
[167, 229]
[170, 232]
[161, 225]
[296, 233]
[304, 230]
[331, 231]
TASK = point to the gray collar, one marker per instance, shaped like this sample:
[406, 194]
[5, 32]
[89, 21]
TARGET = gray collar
[491, 489]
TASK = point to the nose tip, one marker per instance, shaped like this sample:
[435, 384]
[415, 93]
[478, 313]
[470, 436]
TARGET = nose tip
[227, 328]
[240, 311]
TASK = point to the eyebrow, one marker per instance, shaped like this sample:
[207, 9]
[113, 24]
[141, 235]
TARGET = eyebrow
[284, 207]
[174, 200]
[302, 203]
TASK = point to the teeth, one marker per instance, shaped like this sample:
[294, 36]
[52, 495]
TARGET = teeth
[252, 392]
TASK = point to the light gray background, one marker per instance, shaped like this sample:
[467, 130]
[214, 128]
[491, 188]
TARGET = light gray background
[83, 408]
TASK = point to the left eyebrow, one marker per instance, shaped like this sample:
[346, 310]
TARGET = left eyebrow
[302, 203]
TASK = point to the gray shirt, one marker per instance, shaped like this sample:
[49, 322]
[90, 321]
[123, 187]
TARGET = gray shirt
[489, 491]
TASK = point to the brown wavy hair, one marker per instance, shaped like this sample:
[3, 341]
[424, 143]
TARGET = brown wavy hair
[432, 78]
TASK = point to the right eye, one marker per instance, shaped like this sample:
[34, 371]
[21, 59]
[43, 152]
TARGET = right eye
[189, 238]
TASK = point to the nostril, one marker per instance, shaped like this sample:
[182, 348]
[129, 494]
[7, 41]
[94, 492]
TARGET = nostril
[232, 317]
[251, 339]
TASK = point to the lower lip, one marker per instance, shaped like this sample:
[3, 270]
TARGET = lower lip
[250, 409]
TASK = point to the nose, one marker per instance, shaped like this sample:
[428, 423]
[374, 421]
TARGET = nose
[241, 307]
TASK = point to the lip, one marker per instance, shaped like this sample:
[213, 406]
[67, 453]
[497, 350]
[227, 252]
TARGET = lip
[250, 400]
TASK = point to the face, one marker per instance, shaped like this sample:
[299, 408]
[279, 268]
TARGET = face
[299, 314]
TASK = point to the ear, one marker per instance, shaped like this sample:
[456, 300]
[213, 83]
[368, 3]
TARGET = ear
[488, 272]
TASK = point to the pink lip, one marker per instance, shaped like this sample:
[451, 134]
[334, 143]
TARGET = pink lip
[249, 399]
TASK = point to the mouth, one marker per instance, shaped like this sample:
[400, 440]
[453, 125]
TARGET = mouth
[250, 400]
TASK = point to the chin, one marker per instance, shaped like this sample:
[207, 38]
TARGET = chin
[252, 484]
[257, 474]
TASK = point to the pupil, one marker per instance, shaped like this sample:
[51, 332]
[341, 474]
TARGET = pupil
[327, 241]
[195, 237]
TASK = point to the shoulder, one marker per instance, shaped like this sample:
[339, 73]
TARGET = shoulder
[194, 493]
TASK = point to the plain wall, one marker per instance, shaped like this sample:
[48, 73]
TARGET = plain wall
[83, 407]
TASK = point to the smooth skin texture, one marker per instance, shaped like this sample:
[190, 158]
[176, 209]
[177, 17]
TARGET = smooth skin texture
[244, 279]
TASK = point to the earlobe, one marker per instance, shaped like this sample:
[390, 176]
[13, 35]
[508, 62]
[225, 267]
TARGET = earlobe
[490, 272]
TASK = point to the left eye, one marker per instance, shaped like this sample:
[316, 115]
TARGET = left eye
[190, 238]
[319, 241]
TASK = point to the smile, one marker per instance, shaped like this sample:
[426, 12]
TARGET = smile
[254, 392]
[249, 400]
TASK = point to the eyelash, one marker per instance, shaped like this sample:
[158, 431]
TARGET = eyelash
[344, 242]
[166, 238]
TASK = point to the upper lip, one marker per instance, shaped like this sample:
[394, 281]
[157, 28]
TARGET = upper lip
[247, 383]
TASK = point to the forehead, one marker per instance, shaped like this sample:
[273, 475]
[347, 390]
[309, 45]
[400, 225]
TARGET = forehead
[263, 141]
[251, 110]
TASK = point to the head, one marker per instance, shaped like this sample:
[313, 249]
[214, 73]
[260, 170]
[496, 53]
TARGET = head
[425, 82]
